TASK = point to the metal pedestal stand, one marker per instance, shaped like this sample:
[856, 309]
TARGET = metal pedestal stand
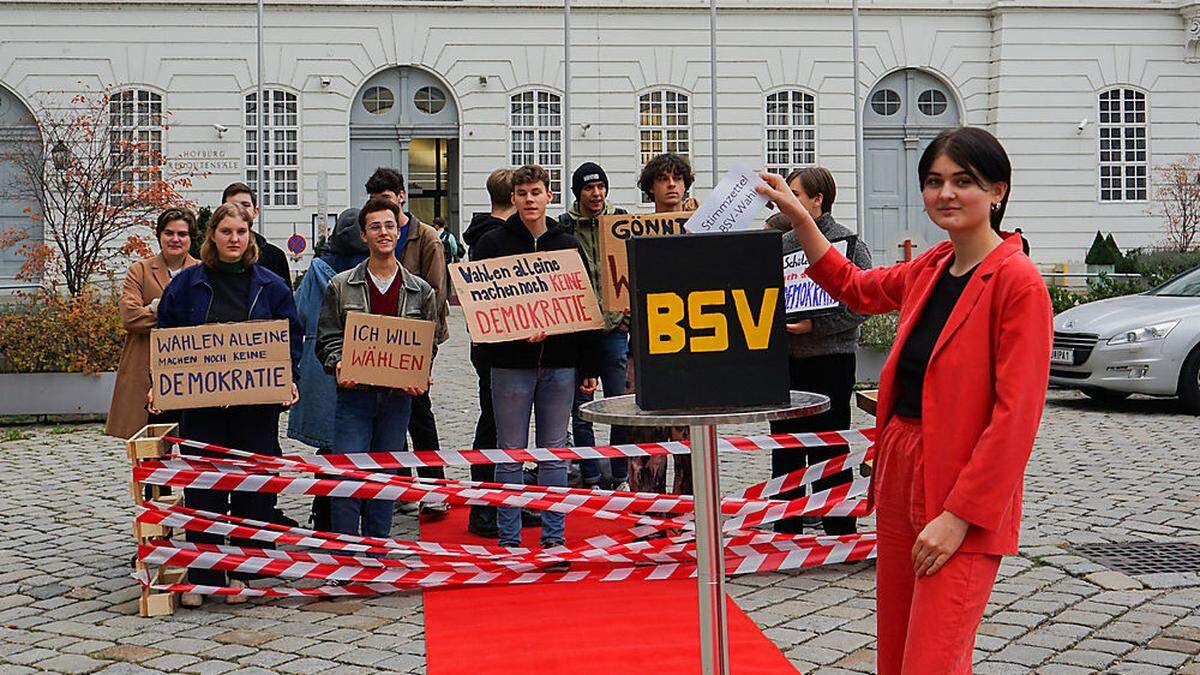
[710, 559]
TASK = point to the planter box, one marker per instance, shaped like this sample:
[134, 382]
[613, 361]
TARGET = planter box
[56, 393]
[869, 363]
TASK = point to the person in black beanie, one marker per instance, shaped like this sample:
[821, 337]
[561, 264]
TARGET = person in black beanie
[589, 184]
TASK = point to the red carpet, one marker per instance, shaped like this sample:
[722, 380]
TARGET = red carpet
[606, 628]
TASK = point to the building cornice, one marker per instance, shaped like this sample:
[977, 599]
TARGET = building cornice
[822, 6]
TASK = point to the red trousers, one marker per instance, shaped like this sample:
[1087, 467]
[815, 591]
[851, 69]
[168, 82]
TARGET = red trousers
[925, 625]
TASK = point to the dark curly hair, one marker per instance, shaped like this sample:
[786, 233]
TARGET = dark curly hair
[666, 163]
[385, 179]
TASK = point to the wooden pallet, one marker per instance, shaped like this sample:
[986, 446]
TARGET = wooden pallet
[867, 401]
[147, 444]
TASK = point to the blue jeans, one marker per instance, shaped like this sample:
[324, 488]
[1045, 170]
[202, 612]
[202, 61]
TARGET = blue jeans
[367, 421]
[516, 393]
[614, 354]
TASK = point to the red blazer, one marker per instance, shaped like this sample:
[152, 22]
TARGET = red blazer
[985, 386]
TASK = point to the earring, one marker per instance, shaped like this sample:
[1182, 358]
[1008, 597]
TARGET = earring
[996, 206]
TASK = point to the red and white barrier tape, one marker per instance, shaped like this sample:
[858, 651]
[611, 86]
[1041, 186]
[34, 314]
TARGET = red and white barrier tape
[625, 555]
[373, 461]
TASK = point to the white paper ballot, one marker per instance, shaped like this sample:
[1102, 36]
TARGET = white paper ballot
[732, 205]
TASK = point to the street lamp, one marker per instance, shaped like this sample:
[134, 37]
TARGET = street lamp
[60, 154]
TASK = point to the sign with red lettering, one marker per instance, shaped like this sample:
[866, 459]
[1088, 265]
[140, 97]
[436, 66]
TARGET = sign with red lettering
[221, 364]
[519, 296]
[387, 351]
[614, 260]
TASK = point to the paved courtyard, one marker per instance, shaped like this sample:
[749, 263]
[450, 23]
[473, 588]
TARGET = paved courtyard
[1099, 474]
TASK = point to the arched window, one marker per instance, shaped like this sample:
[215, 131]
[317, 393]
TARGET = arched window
[1124, 160]
[281, 154]
[664, 124]
[535, 136]
[791, 126]
[135, 133]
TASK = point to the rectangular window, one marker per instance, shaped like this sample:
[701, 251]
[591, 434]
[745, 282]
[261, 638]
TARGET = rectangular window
[535, 128]
[664, 125]
[791, 131]
[135, 135]
[281, 154]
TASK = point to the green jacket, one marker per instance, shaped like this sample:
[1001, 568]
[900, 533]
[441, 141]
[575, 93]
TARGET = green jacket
[587, 231]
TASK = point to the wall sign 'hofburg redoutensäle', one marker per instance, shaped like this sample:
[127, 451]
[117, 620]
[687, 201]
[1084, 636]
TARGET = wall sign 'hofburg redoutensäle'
[708, 327]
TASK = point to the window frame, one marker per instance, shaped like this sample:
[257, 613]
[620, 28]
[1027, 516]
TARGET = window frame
[136, 128]
[536, 130]
[663, 128]
[273, 197]
[768, 127]
[1142, 193]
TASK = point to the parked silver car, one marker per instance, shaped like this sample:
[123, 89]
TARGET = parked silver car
[1147, 343]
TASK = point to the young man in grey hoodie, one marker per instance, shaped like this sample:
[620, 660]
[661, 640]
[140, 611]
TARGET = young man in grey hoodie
[589, 184]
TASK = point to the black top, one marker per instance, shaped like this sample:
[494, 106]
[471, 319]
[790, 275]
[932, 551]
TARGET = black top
[231, 293]
[571, 350]
[273, 258]
[914, 357]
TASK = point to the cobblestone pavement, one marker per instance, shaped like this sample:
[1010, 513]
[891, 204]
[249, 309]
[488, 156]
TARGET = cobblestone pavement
[1114, 473]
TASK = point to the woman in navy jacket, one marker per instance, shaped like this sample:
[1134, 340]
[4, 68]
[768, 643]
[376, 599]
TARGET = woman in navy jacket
[229, 287]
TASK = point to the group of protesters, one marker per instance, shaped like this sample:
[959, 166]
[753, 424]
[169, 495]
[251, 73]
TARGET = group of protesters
[973, 350]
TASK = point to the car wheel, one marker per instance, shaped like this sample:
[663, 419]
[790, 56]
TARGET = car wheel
[1189, 383]
[1106, 395]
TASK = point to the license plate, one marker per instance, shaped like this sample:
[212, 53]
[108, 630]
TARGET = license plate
[1063, 356]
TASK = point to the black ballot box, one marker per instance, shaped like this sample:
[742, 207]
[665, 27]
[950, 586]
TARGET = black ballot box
[707, 320]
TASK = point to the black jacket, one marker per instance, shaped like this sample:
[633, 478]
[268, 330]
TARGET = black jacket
[481, 224]
[273, 258]
[574, 350]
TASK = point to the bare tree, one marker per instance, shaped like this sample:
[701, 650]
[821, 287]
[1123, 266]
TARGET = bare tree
[1178, 202]
[94, 180]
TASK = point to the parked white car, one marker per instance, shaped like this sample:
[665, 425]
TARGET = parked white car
[1147, 343]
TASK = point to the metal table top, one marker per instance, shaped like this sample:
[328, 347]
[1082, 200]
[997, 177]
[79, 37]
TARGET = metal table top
[623, 410]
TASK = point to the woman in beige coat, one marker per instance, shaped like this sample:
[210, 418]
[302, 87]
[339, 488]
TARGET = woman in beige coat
[138, 307]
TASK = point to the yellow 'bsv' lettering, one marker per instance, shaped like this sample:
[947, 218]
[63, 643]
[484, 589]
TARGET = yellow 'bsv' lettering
[665, 313]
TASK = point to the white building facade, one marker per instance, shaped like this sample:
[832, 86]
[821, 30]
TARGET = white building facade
[1088, 96]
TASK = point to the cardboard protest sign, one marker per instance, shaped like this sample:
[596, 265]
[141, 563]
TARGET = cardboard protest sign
[708, 327]
[519, 296]
[803, 298]
[614, 259]
[387, 351]
[732, 205]
[221, 364]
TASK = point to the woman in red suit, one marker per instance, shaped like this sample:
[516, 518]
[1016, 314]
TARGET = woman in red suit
[960, 399]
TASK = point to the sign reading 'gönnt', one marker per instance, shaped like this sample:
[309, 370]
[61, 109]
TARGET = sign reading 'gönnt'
[387, 351]
[614, 258]
[221, 364]
[520, 296]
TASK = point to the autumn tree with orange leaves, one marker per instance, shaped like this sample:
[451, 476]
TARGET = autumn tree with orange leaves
[95, 182]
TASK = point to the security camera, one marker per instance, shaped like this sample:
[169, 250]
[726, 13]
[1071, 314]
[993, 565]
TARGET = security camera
[1082, 125]
[221, 128]
[325, 81]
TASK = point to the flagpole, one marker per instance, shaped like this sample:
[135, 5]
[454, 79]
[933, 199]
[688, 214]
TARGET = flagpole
[859, 188]
[262, 139]
[566, 111]
[712, 65]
